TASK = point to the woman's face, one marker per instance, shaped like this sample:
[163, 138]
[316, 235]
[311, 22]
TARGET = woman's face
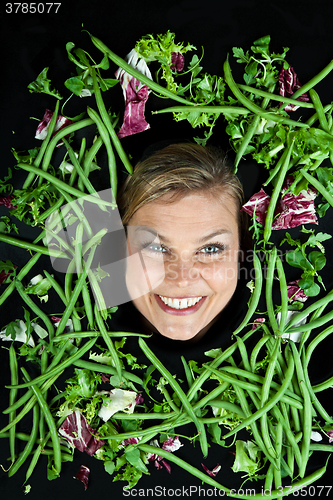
[189, 253]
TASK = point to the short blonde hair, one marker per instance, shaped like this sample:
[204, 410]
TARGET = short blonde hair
[180, 169]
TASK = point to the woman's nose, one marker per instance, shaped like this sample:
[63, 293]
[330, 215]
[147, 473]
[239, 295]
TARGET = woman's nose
[181, 272]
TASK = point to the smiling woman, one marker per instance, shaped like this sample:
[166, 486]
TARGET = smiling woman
[181, 209]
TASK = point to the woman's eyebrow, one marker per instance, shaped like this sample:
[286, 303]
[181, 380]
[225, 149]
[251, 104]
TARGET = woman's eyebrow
[211, 235]
[203, 238]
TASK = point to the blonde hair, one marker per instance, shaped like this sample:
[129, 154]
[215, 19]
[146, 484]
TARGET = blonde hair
[179, 169]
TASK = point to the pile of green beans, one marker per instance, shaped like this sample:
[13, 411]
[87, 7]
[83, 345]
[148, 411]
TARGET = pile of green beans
[275, 399]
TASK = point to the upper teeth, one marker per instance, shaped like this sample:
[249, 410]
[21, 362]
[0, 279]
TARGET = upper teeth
[180, 303]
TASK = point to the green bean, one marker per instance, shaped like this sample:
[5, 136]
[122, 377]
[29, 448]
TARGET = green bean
[314, 343]
[51, 210]
[289, 397]
[30, 404]
[169, 400]
[268, 405]
[327, 384]
[94, 333]
[12, 397]
[275, 97]
[307, 412]
[61, 241]
[30, 303]
[270, 372]
[83, 177]
[103, 131]
[94, 240]
[87, 305]
[19, 435]
[43, 368]
[61, 185]
[321, 447]
[284, 294]
[251, 130]
[34, 460]
[99, 296]
[108, 342]
[74, 296]
[276, 193]
[279, 118]
[233, 110]
[78, 248]
[23, 272]
[38, 159]
[319, 109]
[80, 183]
[264, 396]
[315, 401]
[306, 334]
[278, 451]
[30, 246]
[255, 431]
[189, 375]
[274, 171]
[59, 290]
[214, 364]
[255, 351]
[317, 323]
[28, 447]
[269, 478]
[51, 425]
[137, 74]
[106, 119]
[289, 434]
[175, 386]
[150, 431]
[232, 493]
[243, 352]
[318, 185]
[69, 129]
[269, 288]
[23, 399]
[60, 367]
[211, 396]
[96, 146]
[310, 121]
[58, 355]
[313, 307]
[227, 405]
[256, 294]
[290, 454]
[98, 367]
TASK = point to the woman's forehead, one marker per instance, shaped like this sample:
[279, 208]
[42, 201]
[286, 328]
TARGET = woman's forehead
[193, 213]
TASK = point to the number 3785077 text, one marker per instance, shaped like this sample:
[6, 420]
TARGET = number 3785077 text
[32, 8]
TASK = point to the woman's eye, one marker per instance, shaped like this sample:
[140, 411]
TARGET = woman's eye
[211, 250]
[156, 248]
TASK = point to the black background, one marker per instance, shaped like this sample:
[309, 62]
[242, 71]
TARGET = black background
[29, 42]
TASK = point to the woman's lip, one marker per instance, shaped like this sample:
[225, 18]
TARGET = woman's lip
[179, 312]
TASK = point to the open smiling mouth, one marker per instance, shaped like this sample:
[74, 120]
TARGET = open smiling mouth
[179, 305]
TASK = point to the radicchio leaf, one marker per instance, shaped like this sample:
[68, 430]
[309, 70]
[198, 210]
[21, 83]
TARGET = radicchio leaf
[135, 95]
[79, 433]
[295, 293]
[289, 83]
[43, 126]
[83, 475]
[291, 210]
